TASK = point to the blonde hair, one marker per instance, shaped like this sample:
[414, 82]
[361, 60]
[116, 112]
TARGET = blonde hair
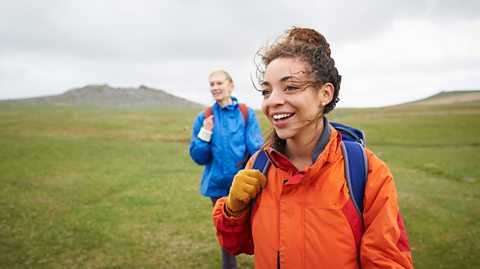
[223, 72]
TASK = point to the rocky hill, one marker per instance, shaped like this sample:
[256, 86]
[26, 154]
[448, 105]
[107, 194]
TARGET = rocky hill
[109, 97]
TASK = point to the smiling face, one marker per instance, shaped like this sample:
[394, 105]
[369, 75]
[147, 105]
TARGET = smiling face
[220, 87]
[291, 102]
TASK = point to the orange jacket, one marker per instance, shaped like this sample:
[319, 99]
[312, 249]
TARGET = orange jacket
[305, 219]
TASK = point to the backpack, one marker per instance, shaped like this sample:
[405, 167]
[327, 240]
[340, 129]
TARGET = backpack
[356, 165]
[243, 108]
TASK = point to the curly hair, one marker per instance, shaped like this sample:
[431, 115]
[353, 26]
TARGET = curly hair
[310, 46]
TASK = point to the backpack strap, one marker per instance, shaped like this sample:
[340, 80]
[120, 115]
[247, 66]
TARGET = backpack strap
[243, 108]
[207, 112]
[261, 162]
[356, 172]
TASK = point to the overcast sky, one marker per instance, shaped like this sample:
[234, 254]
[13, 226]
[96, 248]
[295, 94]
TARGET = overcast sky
[387, 52]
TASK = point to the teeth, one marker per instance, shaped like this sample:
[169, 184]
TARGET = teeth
[281, 116]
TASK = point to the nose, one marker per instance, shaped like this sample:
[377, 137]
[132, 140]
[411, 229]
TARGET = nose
[215, 89]
[276, 98]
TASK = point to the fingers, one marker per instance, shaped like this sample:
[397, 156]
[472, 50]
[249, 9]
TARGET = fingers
[245, 194]
[208, 123]
[247, 184]
[245, 187]
[208, 120]
[254, 176]
[249, 192]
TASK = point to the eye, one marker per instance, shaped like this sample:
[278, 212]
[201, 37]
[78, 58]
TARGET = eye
[291, 88]
[266, 92]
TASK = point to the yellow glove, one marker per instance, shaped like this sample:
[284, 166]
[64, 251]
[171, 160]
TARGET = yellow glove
[245, 186]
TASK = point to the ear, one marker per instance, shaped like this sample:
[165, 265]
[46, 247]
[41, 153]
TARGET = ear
[326, 93]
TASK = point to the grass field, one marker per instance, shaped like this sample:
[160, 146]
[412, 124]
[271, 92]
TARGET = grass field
[92, 188]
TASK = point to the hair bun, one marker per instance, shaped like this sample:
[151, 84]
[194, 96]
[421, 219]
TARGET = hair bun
[308, 36]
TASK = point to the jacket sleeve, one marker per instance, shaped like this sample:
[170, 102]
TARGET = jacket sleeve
[233, 233]
[200, 150]
[254, 134]
[384, 243]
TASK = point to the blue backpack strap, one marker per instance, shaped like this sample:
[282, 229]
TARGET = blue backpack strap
[261, 162]
[356, 172]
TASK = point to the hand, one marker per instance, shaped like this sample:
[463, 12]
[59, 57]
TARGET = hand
[245, 187]
[208, 123]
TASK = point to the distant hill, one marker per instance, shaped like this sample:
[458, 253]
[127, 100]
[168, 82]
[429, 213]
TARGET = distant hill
[110, 97]
[450, 98]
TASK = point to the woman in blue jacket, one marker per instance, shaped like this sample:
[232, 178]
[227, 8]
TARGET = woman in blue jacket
[224, 137]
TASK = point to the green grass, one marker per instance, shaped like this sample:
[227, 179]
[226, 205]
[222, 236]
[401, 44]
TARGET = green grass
[433, 153]
[96, 188]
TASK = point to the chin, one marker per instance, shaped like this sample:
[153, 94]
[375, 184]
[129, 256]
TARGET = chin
[284, 134]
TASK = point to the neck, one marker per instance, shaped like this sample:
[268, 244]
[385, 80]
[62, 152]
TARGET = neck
[300, 148]
[225, 102]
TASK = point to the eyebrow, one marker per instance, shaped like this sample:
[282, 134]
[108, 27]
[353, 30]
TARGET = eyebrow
[287, 78]
[284, 79]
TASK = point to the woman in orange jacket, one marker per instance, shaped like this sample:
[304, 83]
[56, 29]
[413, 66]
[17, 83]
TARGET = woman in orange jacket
[303, 216]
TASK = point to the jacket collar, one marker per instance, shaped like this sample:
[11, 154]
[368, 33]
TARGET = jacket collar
[326, 150]
[322, 141]
[232, 106]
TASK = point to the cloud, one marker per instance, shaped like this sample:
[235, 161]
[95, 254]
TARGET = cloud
[47, 47]
[411, 58]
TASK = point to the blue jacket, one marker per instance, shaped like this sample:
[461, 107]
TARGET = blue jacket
[228, 146]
